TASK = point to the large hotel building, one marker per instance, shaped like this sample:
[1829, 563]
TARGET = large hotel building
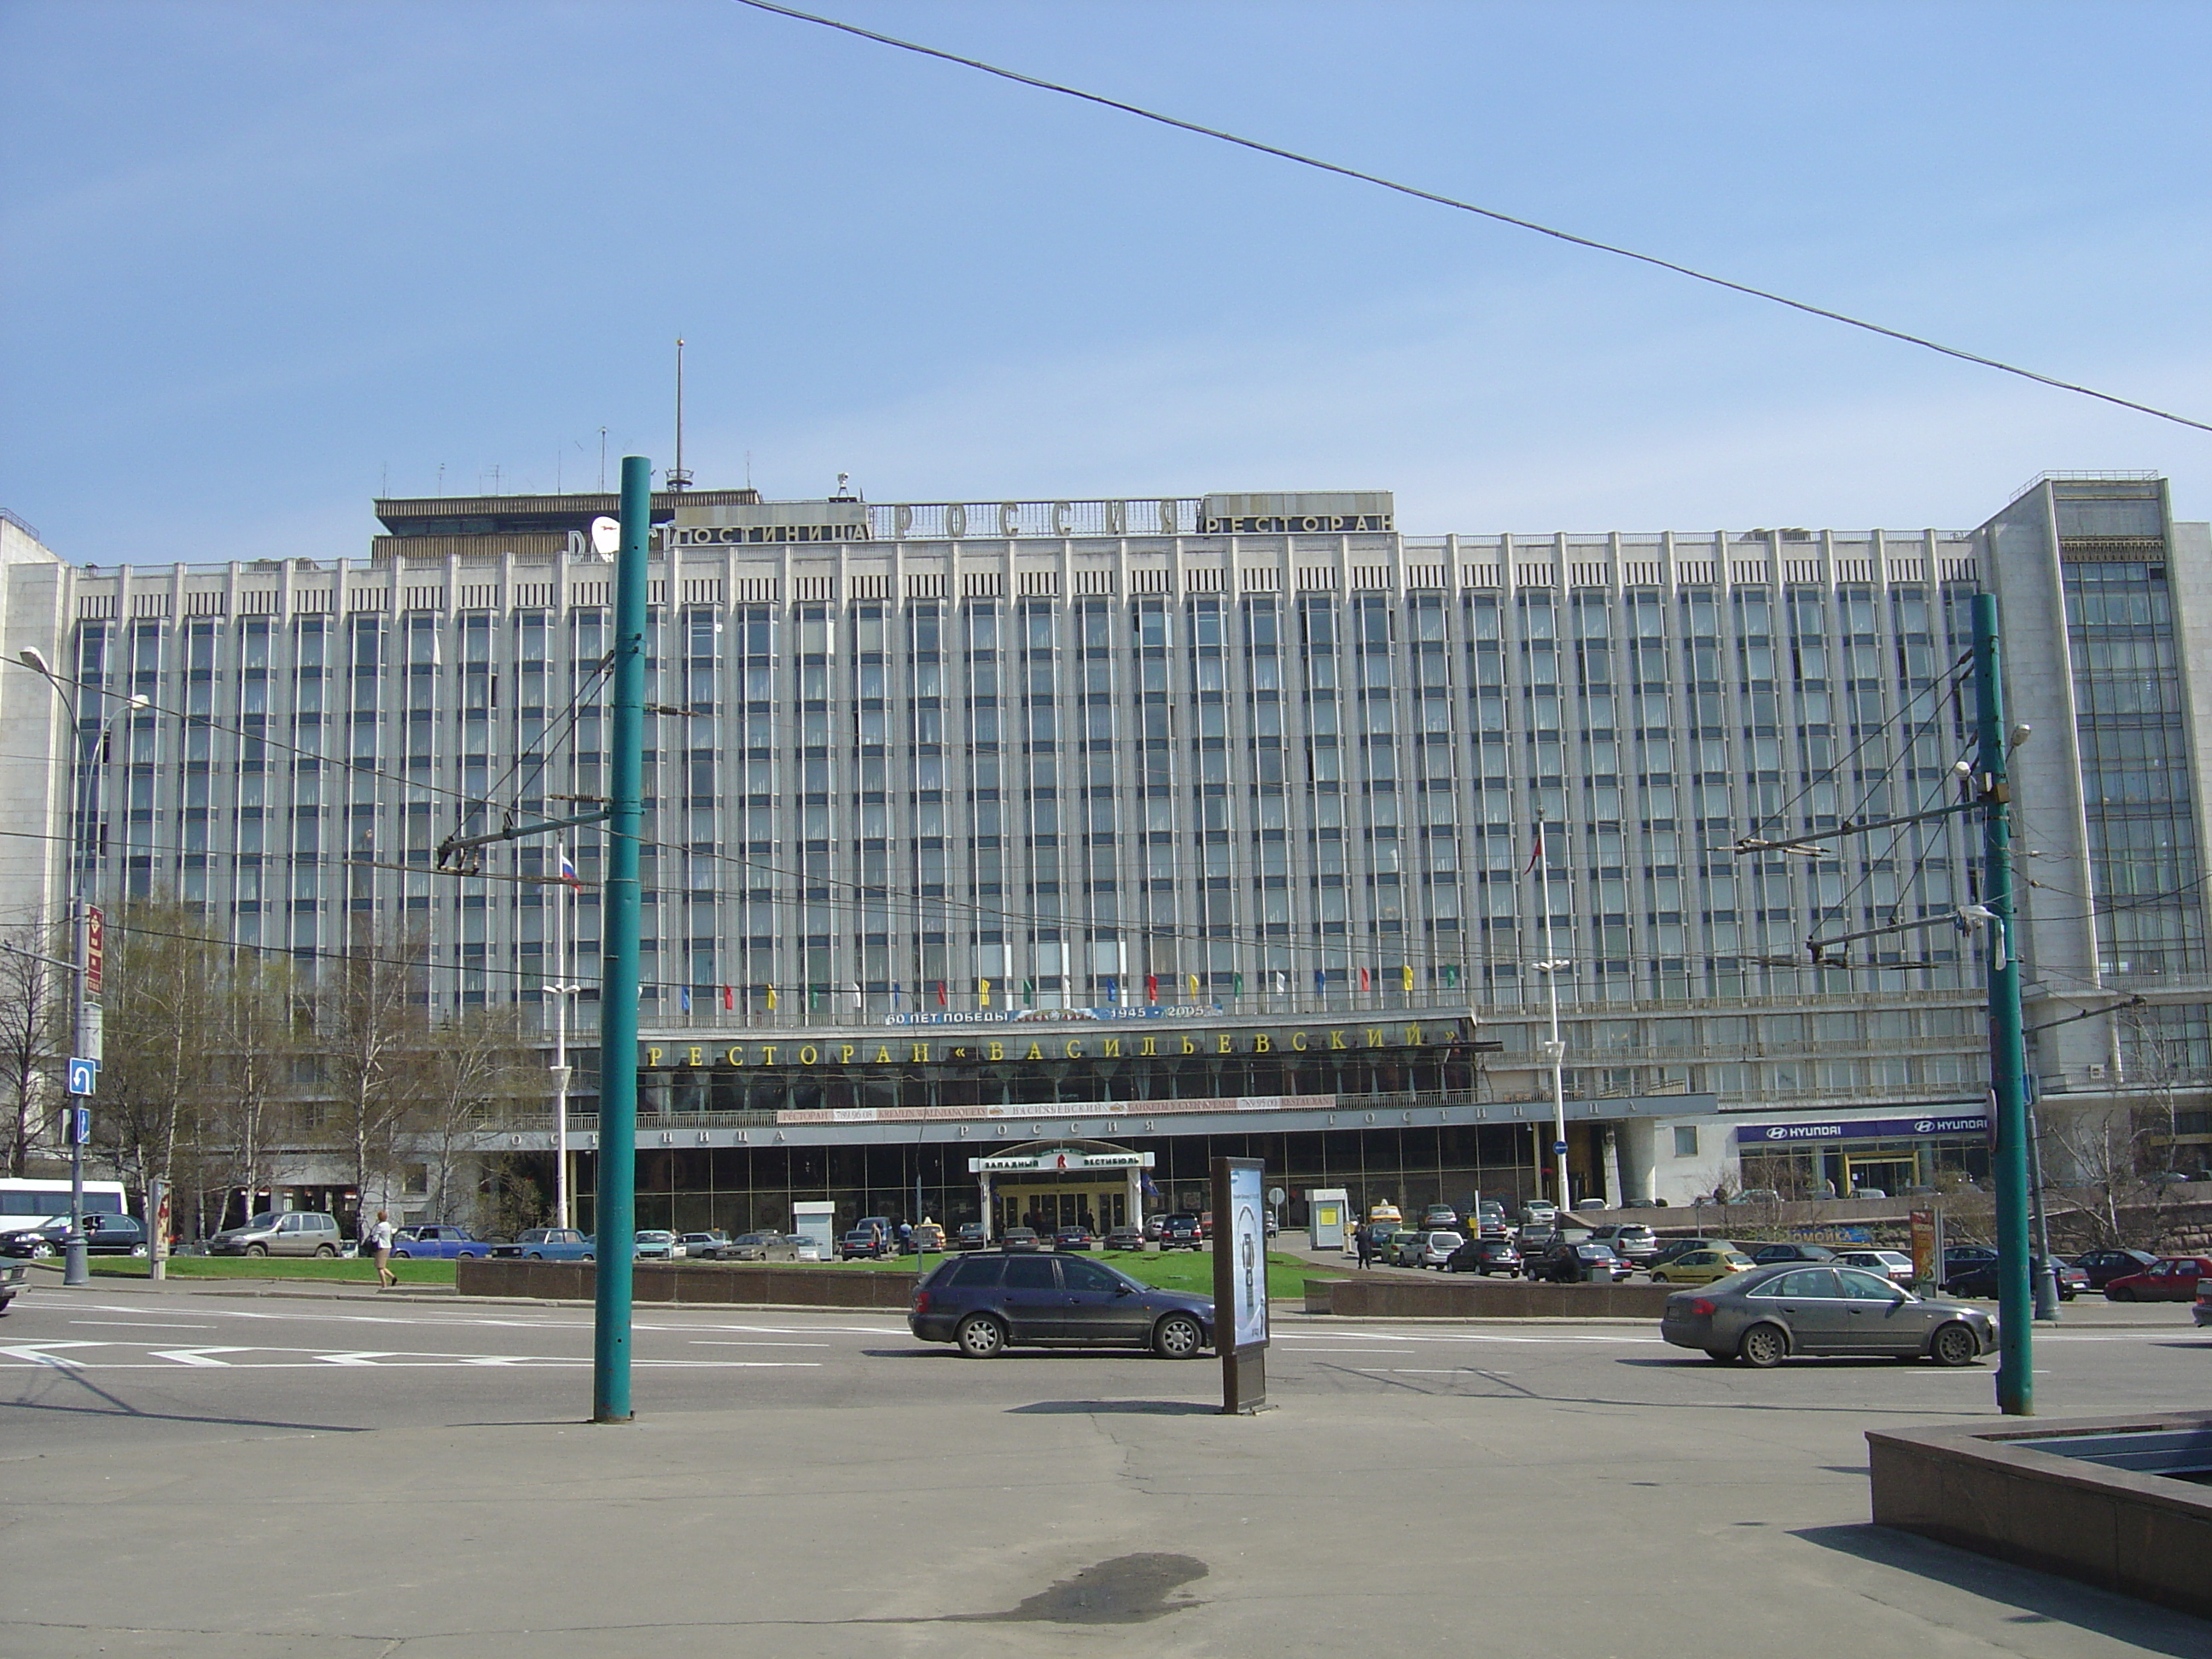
[1026, 854]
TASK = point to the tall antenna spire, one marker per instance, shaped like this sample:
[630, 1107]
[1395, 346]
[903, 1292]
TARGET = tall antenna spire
[675, 477]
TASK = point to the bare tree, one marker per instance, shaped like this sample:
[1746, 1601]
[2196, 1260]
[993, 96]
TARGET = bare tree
[33, 1031]
[472, 1070]
[370, 1029]
[165, 978]
[261, 1015]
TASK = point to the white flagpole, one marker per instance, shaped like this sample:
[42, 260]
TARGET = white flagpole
[1555, 1051]
[559, 1040]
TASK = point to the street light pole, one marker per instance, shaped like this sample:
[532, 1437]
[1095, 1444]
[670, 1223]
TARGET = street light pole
[615, 1220]
[1555, 1049]
[2007, 1069]
[75, 1272]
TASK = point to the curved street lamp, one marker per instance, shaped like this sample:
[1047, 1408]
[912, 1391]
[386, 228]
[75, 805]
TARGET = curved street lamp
[74, 1269]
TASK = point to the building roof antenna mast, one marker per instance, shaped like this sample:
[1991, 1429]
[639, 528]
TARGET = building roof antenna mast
[676, 478]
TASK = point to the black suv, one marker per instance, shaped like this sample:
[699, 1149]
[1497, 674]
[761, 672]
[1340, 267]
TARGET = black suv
[994, 1300]
[105, 1234]
[1181, 1232]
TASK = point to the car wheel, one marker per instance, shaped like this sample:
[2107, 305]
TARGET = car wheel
[1954, 1345]
[1764, 1347]
[2119, 1293]
[326, 1250]
[397, 1255]
[42, 1250]
[981, 1337]
[1177, 1337]
[257, 1249]
[1720, 1356]
[535, 1255]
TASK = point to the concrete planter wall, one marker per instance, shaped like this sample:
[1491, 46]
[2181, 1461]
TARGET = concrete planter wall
[1464, 1295]
[2143, 1534]
[749, 1283]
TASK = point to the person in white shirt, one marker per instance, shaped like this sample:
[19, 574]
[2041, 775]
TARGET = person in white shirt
[378, 1238]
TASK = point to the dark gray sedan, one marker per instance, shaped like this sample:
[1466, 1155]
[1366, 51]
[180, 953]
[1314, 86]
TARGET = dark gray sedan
[1764, 1316]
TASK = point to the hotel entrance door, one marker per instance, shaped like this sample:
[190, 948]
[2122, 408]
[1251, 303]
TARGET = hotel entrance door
[1100, 1206]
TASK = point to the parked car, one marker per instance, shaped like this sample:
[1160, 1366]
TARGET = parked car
[1540, 1210]
[1536, 1238]
[1979, 1278]
[926, 1239]
[1701, 1267]
[1073, 1238]
[546, 1244]
[12, 1276]
[2200, 1313]
[713, 1246]
[2103, 1267]
[1435, 1248]
[1680, 1247]
[1127, 1237]
[1893, 1265]
[1631, 1241]
[435, 1241]
[293, 1232]
[757, 1247]
[1960, 1257]
[1591, 1204]
[1407, 1246]
[1755, 1195]
[1768, 1255]
[988, 1302]
[1019, 1238]
[1152, 1229]
[1575, 1260]
[1486, 1256]
[1490, 1219]
[863, 1243]
[654, 1244]
[1180, 1232]
[105, 1234]
[1437, 1216]
[968, 1236]
[1767, 1315]
[2173, 1279]
[803, 1247]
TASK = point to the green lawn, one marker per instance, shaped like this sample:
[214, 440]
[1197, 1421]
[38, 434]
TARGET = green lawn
[244, 1267]
[1184, 1270]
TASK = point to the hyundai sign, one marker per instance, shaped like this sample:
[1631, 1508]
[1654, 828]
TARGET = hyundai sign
[1880, 1129]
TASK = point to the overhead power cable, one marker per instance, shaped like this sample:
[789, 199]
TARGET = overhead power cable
[1441, 200]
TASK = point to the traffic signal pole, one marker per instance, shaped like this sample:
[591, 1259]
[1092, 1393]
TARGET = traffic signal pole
[615, 1219]
[2007, 1069]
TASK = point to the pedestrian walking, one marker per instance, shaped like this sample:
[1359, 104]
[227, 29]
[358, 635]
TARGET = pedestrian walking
[378, 1238]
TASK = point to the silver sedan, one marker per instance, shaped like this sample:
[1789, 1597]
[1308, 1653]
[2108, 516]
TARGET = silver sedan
[1767, 1314]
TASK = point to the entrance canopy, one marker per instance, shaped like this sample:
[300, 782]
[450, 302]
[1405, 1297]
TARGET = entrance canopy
[1049, 1184]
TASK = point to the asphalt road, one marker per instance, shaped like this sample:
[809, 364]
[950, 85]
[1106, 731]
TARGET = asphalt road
[255, 1477]
[117, 1365]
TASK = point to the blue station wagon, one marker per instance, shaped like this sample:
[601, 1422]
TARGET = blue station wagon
[991, 1301]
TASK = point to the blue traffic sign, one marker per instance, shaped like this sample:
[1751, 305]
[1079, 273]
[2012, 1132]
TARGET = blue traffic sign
[1558, 1149]
[84, 1076]
[83, 1126]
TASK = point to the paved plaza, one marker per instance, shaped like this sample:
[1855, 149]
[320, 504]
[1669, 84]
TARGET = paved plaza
[196, 1470]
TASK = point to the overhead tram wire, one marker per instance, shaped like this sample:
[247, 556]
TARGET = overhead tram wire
[1494, 214]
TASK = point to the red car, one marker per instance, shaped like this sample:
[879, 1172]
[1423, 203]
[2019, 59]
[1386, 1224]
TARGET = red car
[2173, 1279]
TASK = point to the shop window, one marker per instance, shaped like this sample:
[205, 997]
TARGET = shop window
[1686, 1140]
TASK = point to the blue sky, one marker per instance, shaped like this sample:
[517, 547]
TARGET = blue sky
[263, 258]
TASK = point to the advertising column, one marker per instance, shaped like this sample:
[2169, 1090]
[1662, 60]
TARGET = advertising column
[1240, 1282]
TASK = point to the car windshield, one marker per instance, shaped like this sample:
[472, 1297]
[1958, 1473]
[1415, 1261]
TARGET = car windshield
[262, 1218]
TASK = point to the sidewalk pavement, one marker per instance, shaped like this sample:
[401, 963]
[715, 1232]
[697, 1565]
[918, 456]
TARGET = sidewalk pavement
[1024, 1517]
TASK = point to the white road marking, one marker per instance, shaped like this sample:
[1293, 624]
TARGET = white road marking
[726, 1342]
[201, 1357]
[150, 1324]
[40, 1353]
